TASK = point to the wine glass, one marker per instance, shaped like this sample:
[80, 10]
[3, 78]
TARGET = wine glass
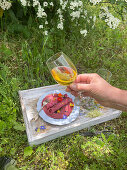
[64, 73]
[105, 74]
[62, 69]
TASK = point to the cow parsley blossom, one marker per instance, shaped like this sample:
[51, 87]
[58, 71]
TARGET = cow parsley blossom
[111, 21]
[40, 26]
[51, 3]
[75, 10]
[4, 4]
[45, 3]
[94, 2]
[45, 32]
[36, 3]
[83, 32]
[23, 2]
[41, 12]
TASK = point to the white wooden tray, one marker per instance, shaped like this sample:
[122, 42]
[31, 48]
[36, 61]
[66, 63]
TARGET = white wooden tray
[28, 100]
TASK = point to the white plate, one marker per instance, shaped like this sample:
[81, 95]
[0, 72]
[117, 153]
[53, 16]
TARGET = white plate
[74, 114]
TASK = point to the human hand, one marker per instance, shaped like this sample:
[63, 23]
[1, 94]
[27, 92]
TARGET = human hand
[94, 86]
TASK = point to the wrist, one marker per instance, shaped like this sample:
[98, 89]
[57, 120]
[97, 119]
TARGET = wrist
[119, 97]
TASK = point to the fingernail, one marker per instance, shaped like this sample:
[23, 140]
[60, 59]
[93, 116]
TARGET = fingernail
[73, 86]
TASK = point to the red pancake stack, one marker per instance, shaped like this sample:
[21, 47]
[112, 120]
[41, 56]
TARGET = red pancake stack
[59, 106]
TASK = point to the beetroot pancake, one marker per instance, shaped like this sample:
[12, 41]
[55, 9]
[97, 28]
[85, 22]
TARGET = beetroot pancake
[59, 106]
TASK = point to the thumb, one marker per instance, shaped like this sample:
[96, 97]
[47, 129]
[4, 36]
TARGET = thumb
[80, 87]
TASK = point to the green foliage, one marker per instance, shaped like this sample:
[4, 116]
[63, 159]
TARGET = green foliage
[7, 109]
[18, 126]
[28, 151]
[5, 52]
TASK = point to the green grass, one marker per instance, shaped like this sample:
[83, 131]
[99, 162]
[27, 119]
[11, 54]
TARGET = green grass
[23, 66]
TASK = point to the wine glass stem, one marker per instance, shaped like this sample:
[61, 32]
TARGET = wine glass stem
[80, 100]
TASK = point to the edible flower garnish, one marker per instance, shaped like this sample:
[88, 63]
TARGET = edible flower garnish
[60, 95]
[64, 116]
[60, 99]
[71, 104]
[101, 107]
[38, 130]
[42, 127]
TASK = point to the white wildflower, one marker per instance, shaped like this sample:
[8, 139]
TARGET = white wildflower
[94, 19]
[75, 14]
[45, 3]
[60, 26]
[41, 13]
[105, 8]
[72, 7]
[45, 32]
[40, 26]
[51, 3]
[61, 2]
[46, 22]
[94, 2]
[35, 3]
[5, 4]
[80, 3]
[83, 16]
[59, 11]
[74, 4]
[23, 2]
[111, 21]
[61, 17]
[83, 32]
[28, 3]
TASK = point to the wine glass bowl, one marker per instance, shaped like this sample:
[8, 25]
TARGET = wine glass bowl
[62, 69]
[64, 73]
[105, 74]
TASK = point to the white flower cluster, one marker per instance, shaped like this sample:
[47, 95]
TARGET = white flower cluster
[94, 2]
[41, 12]
[76, 11]
[77, 8]
[75, 4]
[35, 3]
[4, 4]
[25, 2]
[60, 24]
[63, 4]
[83, 32]
[111, 21]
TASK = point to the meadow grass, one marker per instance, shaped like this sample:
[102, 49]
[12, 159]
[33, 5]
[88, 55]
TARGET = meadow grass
[23, 66]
